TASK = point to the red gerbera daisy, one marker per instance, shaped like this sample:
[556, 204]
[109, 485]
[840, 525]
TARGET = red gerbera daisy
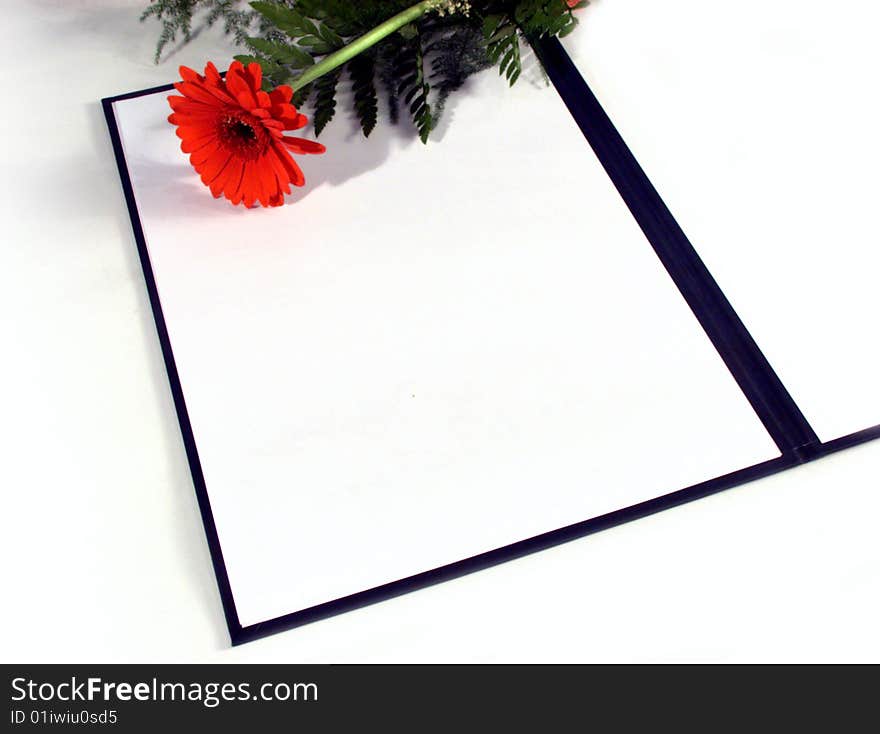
[232, 130]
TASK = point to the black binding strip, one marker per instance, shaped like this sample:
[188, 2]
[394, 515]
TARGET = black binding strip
[189, 441]
[544, 541]
[753, 373]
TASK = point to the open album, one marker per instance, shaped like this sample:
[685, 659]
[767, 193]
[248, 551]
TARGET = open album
[439, 357]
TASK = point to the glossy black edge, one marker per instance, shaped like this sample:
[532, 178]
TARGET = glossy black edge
[762, 387]
[739, 352]
[186, 431]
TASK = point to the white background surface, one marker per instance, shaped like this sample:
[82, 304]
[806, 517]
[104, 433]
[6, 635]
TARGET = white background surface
[759, 129]
[103, 552]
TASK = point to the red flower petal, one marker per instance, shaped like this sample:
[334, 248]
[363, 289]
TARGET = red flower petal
[249, 185]
[180, 103]
[236, 84]
[199, 157]
[196, 92]
[267, 183]
[212, 75]
[297, 123]
[232, 131]
[188, 75]
[281, 95]
[191, 145]
[230, 170]
[293, 170]
[301, 145]
[214, 165]
[189, 119]
[254, 74]
[194, 131]
[233, 180]
[264, 100]
[281, 174]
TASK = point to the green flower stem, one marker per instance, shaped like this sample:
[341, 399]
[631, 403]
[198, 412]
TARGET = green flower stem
[371, 38]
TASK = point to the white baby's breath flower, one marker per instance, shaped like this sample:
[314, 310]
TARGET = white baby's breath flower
[451, 7]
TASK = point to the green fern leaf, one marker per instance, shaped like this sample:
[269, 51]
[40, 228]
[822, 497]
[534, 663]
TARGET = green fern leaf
[366, 104]
[281, 53]
[301, 95]
[325, 99]
[413, 88]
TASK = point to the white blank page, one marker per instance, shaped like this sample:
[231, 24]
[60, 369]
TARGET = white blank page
[758, 125]
[431, 352]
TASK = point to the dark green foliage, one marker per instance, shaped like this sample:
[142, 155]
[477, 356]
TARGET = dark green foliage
[270, 68]
[412, 87]
[351, 17]
[302, 95]
[314, 38]
[176, 17]
[325, 99]
[418, 67]
[454, 57]
[387, 75]
[502, 45]
[362, 69]
[281, 53]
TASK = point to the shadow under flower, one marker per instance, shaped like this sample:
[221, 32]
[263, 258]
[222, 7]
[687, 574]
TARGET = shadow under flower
[349, 153]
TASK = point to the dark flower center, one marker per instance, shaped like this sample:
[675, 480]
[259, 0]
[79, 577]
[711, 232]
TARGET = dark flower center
[241, 130]
[243, 134]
